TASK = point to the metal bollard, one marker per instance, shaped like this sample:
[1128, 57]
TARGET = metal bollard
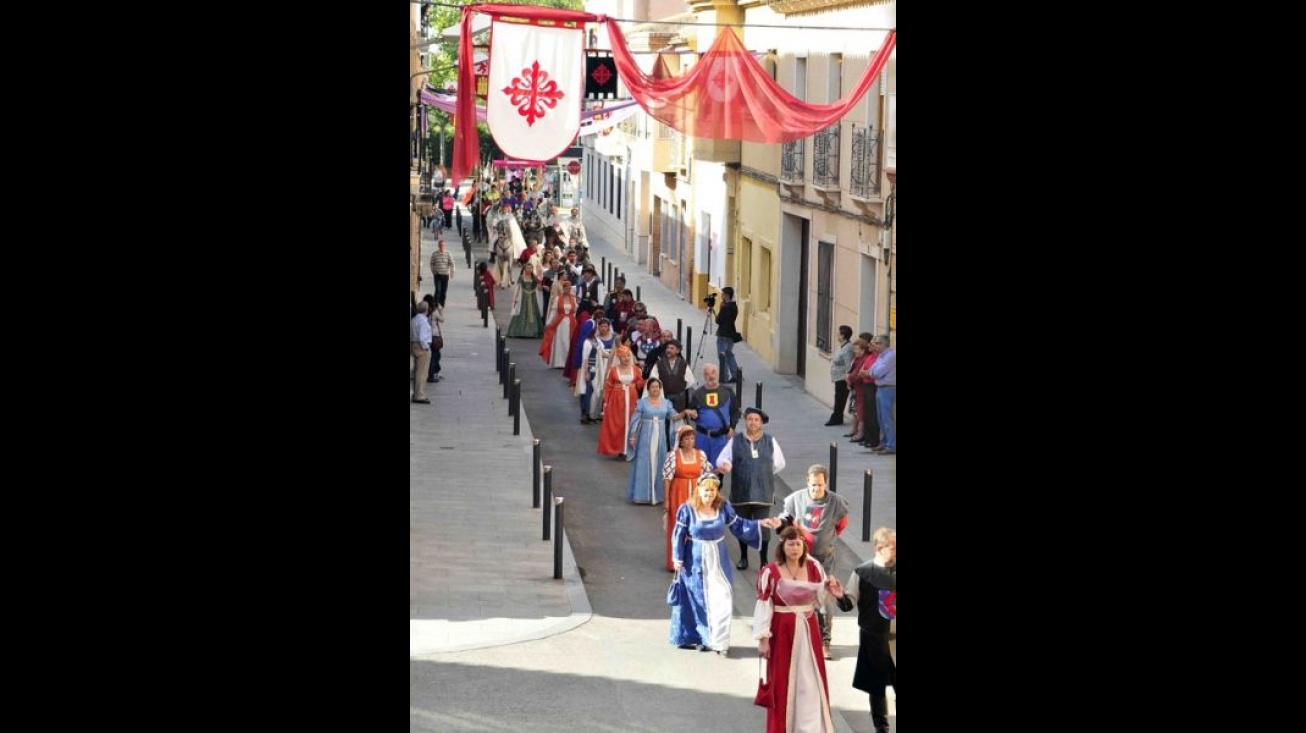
[483, 302]
[498, 355]
[535, 473]
[503, 375]
[759, 396]
[548, 498]
[689, 342]
[604, 269]
[866, 507]
[834, 467]
[638, 295]
[557, 538]
[516, 407]
[680, 332]
[507, 381]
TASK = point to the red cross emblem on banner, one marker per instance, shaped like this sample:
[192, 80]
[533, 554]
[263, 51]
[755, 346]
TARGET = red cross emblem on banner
[532, 92]
[601, 75]
[713, 400]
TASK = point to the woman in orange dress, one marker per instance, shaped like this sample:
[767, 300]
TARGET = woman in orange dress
[680, 474]
[620, 396]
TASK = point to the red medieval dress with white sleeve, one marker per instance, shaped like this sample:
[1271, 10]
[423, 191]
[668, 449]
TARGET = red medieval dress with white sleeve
[786, 612]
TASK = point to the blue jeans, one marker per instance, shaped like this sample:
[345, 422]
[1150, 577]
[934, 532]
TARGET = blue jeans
[886, 396]
[725, 351]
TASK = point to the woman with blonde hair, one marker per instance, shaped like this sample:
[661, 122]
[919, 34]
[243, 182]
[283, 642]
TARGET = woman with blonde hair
[680, 471]
[698, 553]
[620, 397]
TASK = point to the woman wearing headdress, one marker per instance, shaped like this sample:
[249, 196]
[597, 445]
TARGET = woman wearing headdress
[680, 471]
[648, 444]
[556, 344]
[698, 553]
[620, 396]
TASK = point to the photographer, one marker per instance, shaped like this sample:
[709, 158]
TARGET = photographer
[726, 334]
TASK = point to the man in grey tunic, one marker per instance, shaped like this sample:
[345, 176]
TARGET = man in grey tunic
[824, 516]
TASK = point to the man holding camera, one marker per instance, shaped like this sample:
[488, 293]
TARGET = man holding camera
[727, 335]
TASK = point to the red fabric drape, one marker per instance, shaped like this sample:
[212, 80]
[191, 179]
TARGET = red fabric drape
[728, 94]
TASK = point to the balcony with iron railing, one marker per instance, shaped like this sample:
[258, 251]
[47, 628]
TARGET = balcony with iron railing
[791, 161]
[825, 158]
[865, 163]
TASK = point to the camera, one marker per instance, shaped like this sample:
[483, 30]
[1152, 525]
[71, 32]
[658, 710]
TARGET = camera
[710, 300]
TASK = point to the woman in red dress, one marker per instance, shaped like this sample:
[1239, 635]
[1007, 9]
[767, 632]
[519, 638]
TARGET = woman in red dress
[556, 345]
[784, 622]
[680, 474]
[620, 396]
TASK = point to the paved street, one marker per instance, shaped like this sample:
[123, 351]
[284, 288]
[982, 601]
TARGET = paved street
[496, 642]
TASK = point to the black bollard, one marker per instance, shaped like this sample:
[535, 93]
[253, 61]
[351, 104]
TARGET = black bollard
[604, 268]
[638, 295]
[503, 366]
[507, 382]
[535, 473]
[834, 466]
[516, 407]
[548, 498]
[689, 343]
[679, 331]
[866, 507]
[557, 538]
[759, 396]
[498, 355]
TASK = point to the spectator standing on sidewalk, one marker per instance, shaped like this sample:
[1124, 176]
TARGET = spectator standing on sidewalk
[435, 314]
[419, 343]
[839, 366]
[823, 516]
[873, 589]
[885, 373]
[753, 458]
[441, 270]
[727, 336]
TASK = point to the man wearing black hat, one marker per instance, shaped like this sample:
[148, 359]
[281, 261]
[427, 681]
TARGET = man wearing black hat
[752, 459]
[675, 375]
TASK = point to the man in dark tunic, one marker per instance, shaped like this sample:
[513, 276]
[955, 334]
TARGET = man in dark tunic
[752, 459]
[873, 587]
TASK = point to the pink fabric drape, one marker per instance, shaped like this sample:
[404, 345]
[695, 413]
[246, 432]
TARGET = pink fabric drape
[728, 95]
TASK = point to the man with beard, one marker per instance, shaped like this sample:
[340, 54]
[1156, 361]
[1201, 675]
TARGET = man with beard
[713, 409]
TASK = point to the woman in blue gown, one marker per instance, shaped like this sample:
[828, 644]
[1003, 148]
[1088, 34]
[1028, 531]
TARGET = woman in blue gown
[699, 555]
[648, 444]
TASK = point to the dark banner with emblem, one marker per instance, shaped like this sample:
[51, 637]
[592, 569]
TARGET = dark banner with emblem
[600, 77]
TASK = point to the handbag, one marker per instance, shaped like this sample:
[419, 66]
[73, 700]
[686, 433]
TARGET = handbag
[763, 696]
[676, 593]
[737, 337]
[437, 343]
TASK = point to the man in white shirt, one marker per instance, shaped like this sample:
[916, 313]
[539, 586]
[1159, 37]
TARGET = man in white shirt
[419, 342]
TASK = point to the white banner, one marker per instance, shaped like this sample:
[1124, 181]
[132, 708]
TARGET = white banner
[537, 84]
